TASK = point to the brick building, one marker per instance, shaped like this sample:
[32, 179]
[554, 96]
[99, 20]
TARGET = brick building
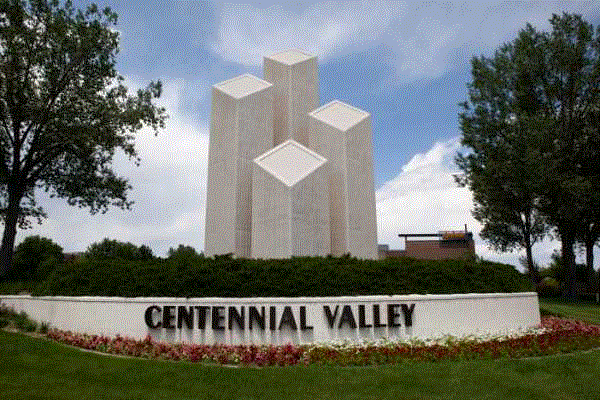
[433, 246]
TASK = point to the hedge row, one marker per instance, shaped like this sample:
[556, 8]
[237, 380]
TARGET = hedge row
[303, 276]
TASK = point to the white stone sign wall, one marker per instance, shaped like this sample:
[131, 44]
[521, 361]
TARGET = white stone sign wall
[285, 320]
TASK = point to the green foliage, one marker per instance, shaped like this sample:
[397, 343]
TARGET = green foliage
[64, 111]
[19, 321]
[184, 254]
[110, 249]
[532, 132]
[224, 276]
[549, 287]
[43, 369]
[35, 258]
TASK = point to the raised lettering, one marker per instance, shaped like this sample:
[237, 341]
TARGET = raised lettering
[347, 317]
[202, 311]
[392, 315]
[287, 318]
[217, 318]
[272, 322]
[330, 317]
[408, 314]
[255, 316]
[303, 325]
[148, 317]
[236, 316]
[361, 317]
[168, 317]
[187, 315]
[376, 317]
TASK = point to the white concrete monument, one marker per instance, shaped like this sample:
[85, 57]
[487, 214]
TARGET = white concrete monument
[241, 128]
[290, 205]
[342, 134]
[285, 177]
[294, 75]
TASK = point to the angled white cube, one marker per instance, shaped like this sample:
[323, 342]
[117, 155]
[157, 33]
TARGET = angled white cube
[241, 128]
[343, 134]
[294, 75]
[290, 205]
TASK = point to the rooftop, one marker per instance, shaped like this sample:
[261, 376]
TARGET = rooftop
[291, 56]
[242, 86]
[290, 162]
[339, 115]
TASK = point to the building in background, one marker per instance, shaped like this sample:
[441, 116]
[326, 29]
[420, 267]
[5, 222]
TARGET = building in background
[443, 245]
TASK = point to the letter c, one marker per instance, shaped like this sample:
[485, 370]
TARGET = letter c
[149, 319]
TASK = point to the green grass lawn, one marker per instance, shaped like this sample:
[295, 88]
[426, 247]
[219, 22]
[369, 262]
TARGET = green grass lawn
[589, 312]
[33, 368]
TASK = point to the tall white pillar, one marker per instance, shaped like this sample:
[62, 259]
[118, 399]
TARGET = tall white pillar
[294, 75]
[343, 134]
[290, 205]
[241, 128]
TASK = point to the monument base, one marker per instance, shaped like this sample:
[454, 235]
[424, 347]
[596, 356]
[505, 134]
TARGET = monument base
[285, 320]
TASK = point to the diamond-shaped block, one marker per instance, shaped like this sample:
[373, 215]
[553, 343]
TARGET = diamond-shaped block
[291, 56]
[290, 162]
[339, 115]
[242, 86]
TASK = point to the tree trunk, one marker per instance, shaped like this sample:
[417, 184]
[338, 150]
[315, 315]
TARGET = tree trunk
[533, 272]
[567, 237]
[589, 260]
[9, 235]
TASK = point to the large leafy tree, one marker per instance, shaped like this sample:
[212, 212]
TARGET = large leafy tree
[501, 166]
[64, 111]
[532, 126]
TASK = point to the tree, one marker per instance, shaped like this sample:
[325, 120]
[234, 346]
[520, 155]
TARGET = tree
[109, 249]
[35, 256]
[501, 167]
[183, 254]
[64, 111]
[532, 128]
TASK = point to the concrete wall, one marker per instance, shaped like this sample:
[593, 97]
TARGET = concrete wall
[296, 320]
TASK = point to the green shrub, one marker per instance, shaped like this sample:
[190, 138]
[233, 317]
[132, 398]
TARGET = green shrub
[35, 258]
[224, 276]
[109, 249]
[549, 287]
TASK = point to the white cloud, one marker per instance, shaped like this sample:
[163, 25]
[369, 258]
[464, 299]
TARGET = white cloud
[169, 189]
[424, 37]
[424, 198]
[247, 33]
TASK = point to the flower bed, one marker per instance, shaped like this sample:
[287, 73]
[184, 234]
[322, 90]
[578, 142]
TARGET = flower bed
[555, 335]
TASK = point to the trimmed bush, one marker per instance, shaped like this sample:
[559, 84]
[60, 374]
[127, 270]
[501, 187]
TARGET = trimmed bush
[224, 276]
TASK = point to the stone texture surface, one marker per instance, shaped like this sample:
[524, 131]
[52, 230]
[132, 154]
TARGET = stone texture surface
[290, 204]
[241, 128]
[294, 75]
[343, 135]
[300, 208]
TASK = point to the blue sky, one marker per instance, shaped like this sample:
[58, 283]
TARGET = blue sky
[406, 63]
